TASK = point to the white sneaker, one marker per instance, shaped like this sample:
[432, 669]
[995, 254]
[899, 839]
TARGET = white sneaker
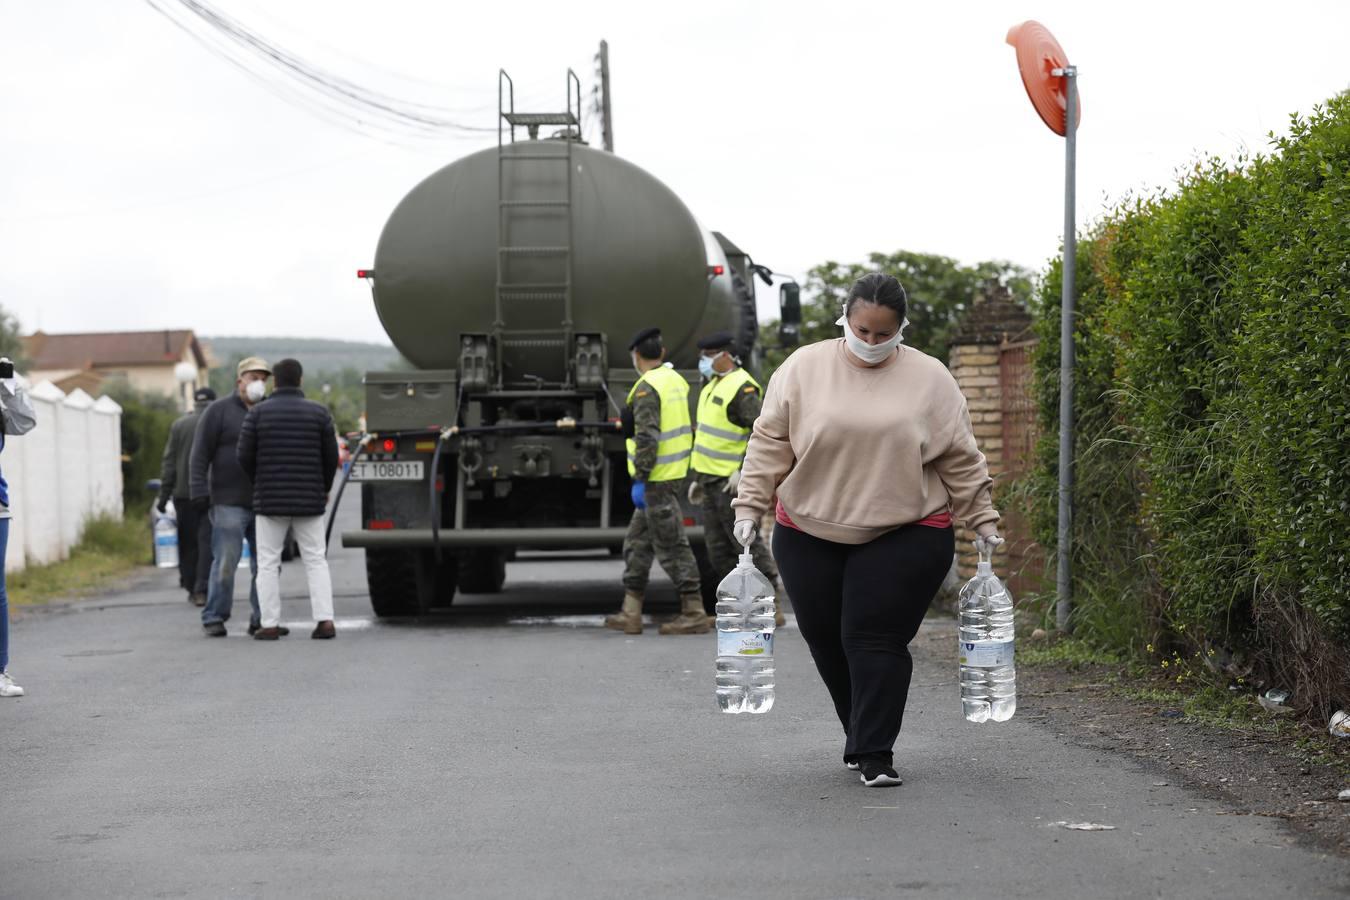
[7, 686]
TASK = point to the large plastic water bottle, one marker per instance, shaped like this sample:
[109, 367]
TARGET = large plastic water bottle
[988, 677]
[745, 675]
[166, 542]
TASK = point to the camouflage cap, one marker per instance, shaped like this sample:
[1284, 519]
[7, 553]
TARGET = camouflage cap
[253, 364]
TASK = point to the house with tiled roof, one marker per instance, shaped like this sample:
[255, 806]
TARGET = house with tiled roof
[171, 362]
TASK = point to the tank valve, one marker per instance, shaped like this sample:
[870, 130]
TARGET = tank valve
[470, 459]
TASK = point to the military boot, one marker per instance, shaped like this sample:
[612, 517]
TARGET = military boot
[691, 620]
[629, 618]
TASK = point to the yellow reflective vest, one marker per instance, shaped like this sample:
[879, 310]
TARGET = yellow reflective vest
[719, 443]
[677, 434]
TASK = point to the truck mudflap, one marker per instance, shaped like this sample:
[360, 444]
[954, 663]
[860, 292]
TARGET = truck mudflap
[522, 538]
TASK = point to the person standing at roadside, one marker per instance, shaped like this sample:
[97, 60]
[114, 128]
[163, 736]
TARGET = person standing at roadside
[18, 418]
[194, 528]
[658, 461]
[288, 448]
[727, 408]
[868, 446]
[219, 485]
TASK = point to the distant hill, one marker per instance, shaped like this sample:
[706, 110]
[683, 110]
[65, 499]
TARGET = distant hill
[315, 354]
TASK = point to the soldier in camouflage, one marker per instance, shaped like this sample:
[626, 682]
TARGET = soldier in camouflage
[727, 408]
[659, 447]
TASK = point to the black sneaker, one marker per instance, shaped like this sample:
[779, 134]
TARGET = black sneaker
[876, 773]
[214, 629]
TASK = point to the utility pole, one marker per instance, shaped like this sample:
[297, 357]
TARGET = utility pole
[606, 114]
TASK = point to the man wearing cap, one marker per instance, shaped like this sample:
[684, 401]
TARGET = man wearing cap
[220, 485]
[659, 444]
[727, 407]
[175, 482]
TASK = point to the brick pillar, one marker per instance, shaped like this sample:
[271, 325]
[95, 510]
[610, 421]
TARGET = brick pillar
[975, 367]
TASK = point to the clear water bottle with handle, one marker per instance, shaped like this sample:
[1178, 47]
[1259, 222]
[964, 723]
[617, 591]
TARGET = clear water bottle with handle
[745, 674]
[166, 542]
[988, 677]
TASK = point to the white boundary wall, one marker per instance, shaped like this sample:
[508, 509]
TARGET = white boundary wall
[64, 472]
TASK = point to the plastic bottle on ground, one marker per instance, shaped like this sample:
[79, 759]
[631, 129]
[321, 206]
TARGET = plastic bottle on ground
[988, 676]
[745, 672]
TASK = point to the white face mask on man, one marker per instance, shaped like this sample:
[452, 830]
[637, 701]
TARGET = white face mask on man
[872, 354]
[255, 391]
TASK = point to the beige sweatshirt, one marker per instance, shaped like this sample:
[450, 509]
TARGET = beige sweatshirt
[855, 452]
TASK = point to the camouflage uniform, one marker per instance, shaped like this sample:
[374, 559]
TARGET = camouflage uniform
[718, 516]
[658, 531]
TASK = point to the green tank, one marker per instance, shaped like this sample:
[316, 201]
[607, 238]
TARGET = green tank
[513, 280]
[638, 257]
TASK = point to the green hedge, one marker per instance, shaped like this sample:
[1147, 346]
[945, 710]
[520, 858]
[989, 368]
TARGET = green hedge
[1213, 401]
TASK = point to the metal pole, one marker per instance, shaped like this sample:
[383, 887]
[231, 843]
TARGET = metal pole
[606, 115]
[1063, 582]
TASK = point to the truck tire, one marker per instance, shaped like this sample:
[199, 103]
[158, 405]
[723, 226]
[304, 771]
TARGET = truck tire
[707, 578]
[482, 571]
[401, 583]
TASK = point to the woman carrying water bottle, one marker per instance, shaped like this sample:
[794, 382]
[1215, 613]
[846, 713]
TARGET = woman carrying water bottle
[868, 446]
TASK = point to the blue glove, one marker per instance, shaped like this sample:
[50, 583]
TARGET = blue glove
[639, 494]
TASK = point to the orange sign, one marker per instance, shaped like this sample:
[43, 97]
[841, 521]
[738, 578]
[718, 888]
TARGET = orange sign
[1038, 54]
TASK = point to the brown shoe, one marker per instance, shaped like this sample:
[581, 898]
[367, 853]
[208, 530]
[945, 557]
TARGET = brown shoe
[692, 619]
[629, 617]
[267, 634]
[324, 631]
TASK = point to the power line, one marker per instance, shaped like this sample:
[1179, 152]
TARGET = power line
[332, 97]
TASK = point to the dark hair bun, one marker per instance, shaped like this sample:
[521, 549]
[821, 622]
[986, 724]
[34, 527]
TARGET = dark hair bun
[880, 288]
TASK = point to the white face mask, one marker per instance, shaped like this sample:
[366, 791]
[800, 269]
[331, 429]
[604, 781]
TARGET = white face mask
[872, 354]
[633, 357]
[255, 391]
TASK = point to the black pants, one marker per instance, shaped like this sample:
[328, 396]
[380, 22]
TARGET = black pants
[858, 607]
[194, 546]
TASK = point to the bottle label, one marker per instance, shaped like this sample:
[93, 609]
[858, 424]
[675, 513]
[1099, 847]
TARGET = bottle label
[986, 654]
[745, 643]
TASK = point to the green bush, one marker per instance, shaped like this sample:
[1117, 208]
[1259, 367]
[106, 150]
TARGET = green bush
[1213, 403]
[146, 420]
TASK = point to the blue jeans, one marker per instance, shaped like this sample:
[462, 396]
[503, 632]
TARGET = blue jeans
[4, 597]
[229, 526]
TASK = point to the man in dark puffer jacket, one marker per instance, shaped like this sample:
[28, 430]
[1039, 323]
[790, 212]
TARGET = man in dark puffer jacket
[288, 447]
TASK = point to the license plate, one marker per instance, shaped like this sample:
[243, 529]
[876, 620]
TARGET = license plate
[387, 470]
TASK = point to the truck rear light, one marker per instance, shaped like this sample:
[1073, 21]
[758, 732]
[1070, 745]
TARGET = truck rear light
[380, 524]
[688, 522]
[389, 445]
[714, 271]
[425, 446]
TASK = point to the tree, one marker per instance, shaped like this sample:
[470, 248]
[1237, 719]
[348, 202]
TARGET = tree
[11, 339]
[939, 288]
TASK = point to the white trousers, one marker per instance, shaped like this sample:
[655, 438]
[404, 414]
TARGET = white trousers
[308, 532]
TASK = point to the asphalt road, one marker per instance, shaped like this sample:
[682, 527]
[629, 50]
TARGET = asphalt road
[512, 747]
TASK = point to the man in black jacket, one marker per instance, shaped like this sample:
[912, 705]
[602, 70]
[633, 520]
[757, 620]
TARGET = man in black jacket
[288, 447]
[219, 484]
[194, 528]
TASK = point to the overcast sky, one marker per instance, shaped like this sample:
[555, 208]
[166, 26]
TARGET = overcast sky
[148, 184]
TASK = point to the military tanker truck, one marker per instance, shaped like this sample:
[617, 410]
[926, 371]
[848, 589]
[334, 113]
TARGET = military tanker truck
[513, 279]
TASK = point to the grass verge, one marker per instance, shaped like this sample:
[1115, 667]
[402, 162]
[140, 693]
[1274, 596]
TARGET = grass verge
[107, 549]
[1186, 686]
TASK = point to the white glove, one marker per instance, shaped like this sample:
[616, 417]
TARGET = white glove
[744, 530]
[733, 482]
[987, 543]
[696, 492]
